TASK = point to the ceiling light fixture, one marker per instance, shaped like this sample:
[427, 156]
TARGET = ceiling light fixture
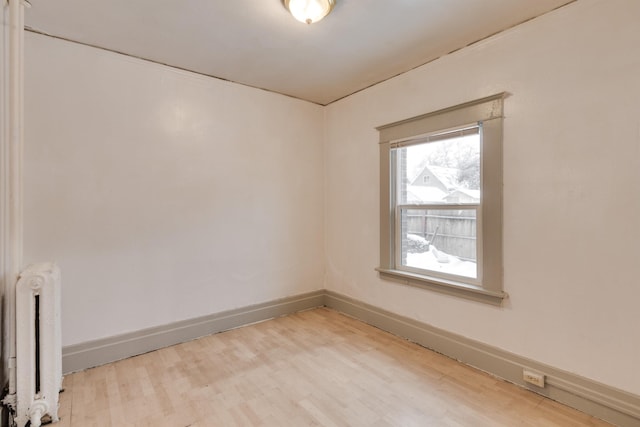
[309, 11]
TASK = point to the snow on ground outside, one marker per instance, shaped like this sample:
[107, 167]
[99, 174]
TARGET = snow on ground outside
[429, 261]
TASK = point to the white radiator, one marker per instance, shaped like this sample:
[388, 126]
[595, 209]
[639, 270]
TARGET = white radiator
[38, 344]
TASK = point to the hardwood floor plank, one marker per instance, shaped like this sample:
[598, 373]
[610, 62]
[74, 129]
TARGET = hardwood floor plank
[315, 368]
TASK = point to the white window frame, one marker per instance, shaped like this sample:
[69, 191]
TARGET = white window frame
[488, 113]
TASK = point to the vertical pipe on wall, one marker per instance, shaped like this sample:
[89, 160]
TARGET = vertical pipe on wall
[12, 177]
[4, 138]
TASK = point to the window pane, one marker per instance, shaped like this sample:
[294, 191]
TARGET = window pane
[440, 240]
[445, 171]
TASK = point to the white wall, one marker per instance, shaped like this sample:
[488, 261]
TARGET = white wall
[571, 189]
[165, 195]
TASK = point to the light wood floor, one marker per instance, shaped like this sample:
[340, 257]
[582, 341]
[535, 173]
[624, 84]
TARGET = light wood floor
[316, 368]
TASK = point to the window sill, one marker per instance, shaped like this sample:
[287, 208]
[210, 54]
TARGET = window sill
[448, 287]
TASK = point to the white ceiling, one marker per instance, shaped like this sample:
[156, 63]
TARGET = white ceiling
[257, 42]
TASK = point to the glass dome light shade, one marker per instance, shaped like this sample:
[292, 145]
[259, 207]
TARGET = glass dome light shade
[309, 11]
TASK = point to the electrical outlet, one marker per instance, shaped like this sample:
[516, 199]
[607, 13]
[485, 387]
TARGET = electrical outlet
[533, 378]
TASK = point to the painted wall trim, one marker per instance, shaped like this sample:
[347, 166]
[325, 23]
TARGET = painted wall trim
[99, 352]
[602, 401]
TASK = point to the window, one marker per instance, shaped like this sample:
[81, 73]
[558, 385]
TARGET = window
[441, 200]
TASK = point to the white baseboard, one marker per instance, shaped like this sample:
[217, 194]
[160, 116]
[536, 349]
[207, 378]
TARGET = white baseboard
[602, 401]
